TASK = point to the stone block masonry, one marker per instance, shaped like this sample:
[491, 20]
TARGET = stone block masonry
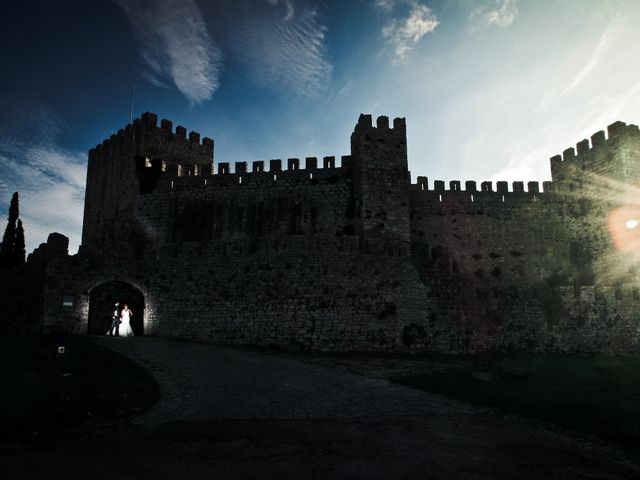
[306, 254]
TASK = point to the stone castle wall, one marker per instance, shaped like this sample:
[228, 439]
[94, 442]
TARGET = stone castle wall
[353, 258]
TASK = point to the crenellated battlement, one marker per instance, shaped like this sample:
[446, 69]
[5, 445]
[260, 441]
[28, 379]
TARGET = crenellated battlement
[276, 165]
[365, 122]
[594, 155]
[170, 159]
[147, 137]
[177, 176]
[485, 192]
[615, 132]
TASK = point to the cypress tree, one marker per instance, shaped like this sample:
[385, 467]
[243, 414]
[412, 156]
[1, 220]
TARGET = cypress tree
[19, 251]
[7, 248]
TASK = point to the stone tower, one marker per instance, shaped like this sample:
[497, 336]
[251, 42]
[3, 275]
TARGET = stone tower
[127, 164]
[381, 184]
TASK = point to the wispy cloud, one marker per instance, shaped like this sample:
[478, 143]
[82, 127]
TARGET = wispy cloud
[386, 5]
[524, 163]
[403, 34]
[175, 44]
[595, 58]
[612, 108]
[285, 51]
[345, 91]
[527, 157]
[288, 4]
[495, 13]
[51, 183]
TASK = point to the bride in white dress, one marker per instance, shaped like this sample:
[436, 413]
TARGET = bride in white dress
[125, 326]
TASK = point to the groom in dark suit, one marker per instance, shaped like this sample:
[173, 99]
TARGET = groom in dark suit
[115, 321]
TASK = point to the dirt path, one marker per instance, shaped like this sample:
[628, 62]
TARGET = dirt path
[200, 381]
[228, 413]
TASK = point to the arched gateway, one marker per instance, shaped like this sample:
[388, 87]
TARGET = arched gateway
[101, 306]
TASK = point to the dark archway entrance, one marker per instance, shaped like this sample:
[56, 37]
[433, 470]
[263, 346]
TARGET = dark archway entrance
[101, 306]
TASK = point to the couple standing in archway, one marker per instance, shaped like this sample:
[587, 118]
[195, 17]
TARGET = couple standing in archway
[121, 321]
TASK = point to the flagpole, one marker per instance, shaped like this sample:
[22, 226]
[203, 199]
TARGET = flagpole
[133, 90]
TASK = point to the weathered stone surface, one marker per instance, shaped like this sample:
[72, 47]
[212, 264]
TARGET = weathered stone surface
[351, 257]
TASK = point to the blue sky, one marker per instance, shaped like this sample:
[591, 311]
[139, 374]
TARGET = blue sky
[490, 88]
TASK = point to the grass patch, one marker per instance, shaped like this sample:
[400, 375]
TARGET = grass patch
[90, 386]
[596, 395]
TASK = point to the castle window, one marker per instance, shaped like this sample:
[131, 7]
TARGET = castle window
[67, 300]
[311, 176]
[275, 177]
[205, 182]
[147, 162]
[195, 170]
[164, 166]
[439, 198]
[179, 170]
[239, 179]
[472, 197]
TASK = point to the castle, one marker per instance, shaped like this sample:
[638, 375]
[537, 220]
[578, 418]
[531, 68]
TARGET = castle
[349, 257]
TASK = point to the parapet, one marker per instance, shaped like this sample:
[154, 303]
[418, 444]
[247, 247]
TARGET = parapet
[177, 176]
[365, 122]
[584, 149]
[276, 165]
[439, 195]
[146, 135]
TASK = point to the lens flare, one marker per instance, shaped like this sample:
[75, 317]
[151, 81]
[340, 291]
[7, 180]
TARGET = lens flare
[623, 228]
[617, 205]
